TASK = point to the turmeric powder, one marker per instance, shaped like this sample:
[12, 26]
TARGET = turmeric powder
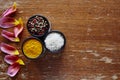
[32, 48]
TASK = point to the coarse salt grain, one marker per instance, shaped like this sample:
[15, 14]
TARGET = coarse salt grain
[54, 41]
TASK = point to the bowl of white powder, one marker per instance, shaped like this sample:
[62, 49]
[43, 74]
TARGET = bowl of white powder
[55, 41]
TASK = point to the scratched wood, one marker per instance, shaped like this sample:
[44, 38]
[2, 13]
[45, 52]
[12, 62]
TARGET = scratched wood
[92, 30]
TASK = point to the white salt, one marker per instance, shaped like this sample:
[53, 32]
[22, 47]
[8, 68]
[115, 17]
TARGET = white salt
[54, 41]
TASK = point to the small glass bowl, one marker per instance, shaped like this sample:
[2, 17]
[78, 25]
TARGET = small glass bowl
[43, 48]
[59, 50]
[34, 24]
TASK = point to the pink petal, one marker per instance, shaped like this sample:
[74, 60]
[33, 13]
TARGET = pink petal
[10, 36]
[8, 22]
[13, 69]
[8, 49]
[18, 29]
[10, 59]
[10, 10]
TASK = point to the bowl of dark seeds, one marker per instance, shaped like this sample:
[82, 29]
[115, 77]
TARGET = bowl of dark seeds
[38, 25]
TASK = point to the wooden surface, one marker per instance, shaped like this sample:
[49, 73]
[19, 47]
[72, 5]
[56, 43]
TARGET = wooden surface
[92, 30]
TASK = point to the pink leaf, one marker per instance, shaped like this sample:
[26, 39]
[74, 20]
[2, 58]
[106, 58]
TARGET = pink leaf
[10, 10]
[18, 29]
[10, 36]
[13, 69]
[8, 49]
[10, 59]
[8, 22]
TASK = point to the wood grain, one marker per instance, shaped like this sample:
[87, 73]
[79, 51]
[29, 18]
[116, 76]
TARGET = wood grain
[92, 30]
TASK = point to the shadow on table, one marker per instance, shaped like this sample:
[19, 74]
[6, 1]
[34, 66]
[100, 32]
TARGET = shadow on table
[47, 67]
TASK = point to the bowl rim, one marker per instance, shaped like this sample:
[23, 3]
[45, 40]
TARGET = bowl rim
[39, 16]
[43, 48]
[59, 50]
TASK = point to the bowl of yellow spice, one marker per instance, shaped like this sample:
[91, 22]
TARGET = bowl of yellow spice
[32, 48]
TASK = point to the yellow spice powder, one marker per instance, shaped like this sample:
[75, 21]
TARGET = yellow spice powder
[32, 48]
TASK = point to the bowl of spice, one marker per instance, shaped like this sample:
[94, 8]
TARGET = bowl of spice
[55, 41]
[32, 48]
[38, 25]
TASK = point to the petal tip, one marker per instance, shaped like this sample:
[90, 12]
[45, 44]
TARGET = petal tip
[16, 22]
[16, 52]
[21, 21]
[17, 39]
[14, 5]
[20, 61]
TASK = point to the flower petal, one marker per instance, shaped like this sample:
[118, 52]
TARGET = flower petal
[8, 22]
[20, 61]
[10, 36]
[13, 69]
[8, 49]
[10, 59]
[10, 10]
[18, 29]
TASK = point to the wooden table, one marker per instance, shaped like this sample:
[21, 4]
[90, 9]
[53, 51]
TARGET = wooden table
[92, 30]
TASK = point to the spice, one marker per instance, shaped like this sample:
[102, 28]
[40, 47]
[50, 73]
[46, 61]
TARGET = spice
[32, 48]
[38, 25]
[54, 41]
